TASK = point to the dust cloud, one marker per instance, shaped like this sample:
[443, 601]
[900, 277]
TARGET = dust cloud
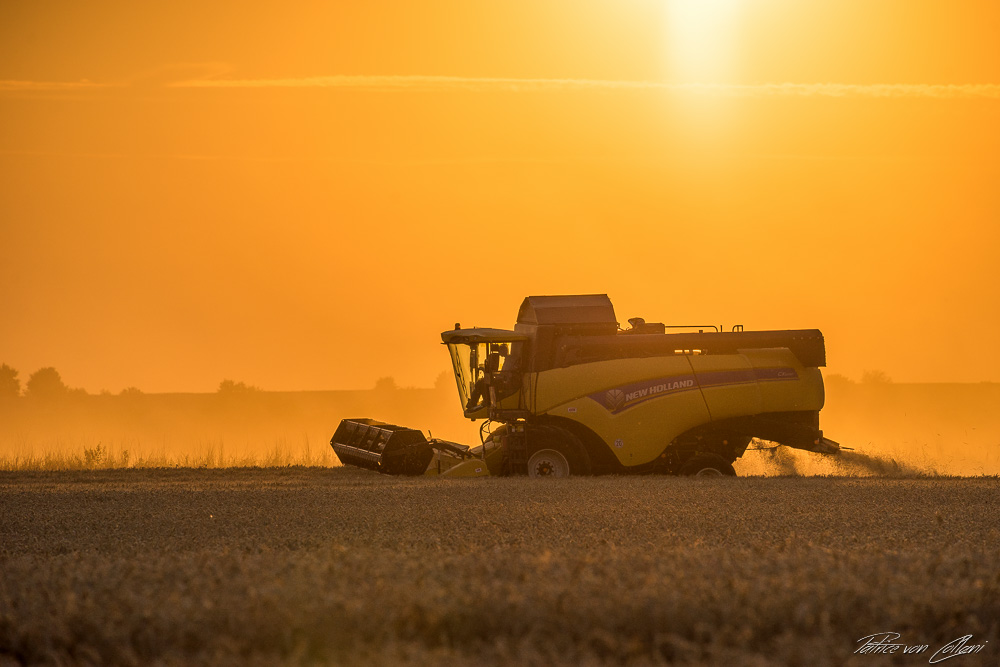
[896, 430]
[770, 460]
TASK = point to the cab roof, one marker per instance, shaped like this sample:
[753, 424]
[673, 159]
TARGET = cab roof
[477, 335]
[568, 309]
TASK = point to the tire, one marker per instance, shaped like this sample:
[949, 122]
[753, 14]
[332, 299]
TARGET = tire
[707, 465]
[555, 452]
[548, 462]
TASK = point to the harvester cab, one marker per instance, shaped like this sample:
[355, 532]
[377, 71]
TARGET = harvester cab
[487, 367]
[569, 392]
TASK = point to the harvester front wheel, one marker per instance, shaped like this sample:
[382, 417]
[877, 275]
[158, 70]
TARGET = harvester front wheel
[707, 465]
[548, 462]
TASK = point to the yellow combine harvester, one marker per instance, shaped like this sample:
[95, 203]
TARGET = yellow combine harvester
[570, 393]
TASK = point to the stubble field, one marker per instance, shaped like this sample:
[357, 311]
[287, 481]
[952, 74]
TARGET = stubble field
[343, 566]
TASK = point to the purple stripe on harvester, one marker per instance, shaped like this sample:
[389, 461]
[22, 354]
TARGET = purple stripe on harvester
[630, 395]
[745, 376]
[776, 374]
[719, 378]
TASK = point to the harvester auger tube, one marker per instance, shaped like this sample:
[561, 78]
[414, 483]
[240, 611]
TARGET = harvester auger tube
[824, 446]
[622, 401]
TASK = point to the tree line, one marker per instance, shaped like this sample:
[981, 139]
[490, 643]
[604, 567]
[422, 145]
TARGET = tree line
[44, 383]
[47, 384]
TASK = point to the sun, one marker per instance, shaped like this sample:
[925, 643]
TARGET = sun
[701, 38]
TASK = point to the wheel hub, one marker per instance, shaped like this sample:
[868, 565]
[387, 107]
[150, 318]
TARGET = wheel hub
[544, 469]
[548, 463]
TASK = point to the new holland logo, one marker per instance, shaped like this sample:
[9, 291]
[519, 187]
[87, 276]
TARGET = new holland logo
[614, 399]
[626, 396]
[659, 389]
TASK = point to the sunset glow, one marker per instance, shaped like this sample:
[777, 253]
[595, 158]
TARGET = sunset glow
[304, 197]
[702, 38]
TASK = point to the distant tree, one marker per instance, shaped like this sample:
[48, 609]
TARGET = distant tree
[875, 377]
[387, 383]
[45, 383]
[131, 391]
[10, 386]
[230, 387]
[836, 378]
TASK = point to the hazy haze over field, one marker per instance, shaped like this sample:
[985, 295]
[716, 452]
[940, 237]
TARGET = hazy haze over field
[907, 428]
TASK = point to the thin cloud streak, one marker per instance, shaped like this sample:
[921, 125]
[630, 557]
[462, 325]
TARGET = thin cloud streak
[431, 161]
[9, 86]
[388, 84]
[473, 84]
[424, 162]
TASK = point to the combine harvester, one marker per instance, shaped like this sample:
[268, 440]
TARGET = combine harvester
[570, 393]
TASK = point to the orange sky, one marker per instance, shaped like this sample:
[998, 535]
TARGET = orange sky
[304, 199]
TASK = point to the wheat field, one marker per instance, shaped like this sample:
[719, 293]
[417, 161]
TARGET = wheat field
[344, 566]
